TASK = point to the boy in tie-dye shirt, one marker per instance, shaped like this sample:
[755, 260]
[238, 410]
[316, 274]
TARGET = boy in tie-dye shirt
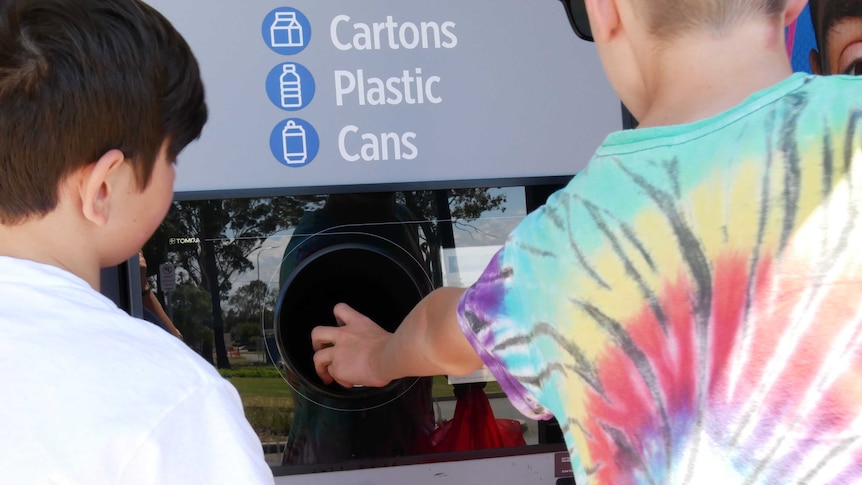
[689, 307]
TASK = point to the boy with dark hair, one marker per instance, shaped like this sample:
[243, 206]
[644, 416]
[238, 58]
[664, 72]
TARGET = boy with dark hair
[97, 99]
[688, 307]
[838, 33]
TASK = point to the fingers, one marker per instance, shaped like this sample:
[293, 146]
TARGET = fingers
[323, 341]
[322, 359]
[322, 362]
[328, 363]
[345, 314]
[323, 337]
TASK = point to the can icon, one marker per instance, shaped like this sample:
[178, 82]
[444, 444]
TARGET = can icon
[286, 31]
[294, 143]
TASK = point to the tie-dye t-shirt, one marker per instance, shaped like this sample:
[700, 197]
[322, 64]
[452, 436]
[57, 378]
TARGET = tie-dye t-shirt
[689, 307]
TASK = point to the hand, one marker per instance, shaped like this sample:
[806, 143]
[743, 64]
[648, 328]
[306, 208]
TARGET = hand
[348, 354]
[145, 284]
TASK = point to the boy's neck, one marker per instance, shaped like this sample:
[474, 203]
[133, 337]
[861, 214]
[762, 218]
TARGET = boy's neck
[699, 76]
[37, 240]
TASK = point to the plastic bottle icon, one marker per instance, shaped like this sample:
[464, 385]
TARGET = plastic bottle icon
[295, 146]
[291, 87]
[286, 31]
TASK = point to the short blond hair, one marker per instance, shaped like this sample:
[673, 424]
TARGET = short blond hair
[670, 17]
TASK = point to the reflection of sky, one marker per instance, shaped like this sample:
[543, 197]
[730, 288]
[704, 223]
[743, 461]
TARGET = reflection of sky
[485, 231]
[493, 226]
[490, 229]
[270, 259]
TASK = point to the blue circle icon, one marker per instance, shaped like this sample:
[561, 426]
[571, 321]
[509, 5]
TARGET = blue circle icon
[286, 31]
[294, 142]
[290, 86]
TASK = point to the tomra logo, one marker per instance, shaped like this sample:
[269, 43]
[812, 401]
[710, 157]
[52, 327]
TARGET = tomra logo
[184, 240]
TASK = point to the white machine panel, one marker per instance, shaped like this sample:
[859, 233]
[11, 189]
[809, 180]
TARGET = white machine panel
[311, 93]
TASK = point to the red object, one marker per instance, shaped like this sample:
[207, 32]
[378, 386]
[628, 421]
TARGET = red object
[473, 426]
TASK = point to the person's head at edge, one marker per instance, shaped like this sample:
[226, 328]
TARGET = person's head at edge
[647, 51]
[97, 98]
[838, 33]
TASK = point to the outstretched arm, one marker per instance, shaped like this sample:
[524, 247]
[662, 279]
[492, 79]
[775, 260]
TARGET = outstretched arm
[151, 303]
[428, 342]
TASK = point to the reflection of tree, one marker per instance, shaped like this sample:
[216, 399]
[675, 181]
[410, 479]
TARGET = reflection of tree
[192, 314]
[210, 242]
[236, 226]
[249, 301]
[439, 208]
[250, 308]
[229, 230]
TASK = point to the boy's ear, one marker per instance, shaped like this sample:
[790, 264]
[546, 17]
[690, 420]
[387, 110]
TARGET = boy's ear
[814, 60]
[604, 18]
[794, 8]
[97, 187]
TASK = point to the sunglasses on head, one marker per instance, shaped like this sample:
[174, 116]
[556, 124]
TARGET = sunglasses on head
[577, 13]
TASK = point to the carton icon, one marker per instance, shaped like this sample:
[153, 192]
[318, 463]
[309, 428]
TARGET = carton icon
[286, 31]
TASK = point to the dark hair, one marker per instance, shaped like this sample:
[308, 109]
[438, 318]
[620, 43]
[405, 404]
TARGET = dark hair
[814, 10]
[826, 13]
[79, 78]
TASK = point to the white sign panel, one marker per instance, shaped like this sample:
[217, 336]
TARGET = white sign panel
[311, 93]
[167, 277]
[463, 266]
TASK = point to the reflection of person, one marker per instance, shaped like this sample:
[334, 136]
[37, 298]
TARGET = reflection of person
[97, 98]
[341, 217]
[319, 434]
[688, 306]
[153, 310]
[838, 32]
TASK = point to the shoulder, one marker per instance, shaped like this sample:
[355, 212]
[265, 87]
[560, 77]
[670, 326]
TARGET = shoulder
[824, 96]
[821, 115]
[815, 82]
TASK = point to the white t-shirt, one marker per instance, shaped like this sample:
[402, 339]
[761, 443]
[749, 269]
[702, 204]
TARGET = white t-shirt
[93, 396]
